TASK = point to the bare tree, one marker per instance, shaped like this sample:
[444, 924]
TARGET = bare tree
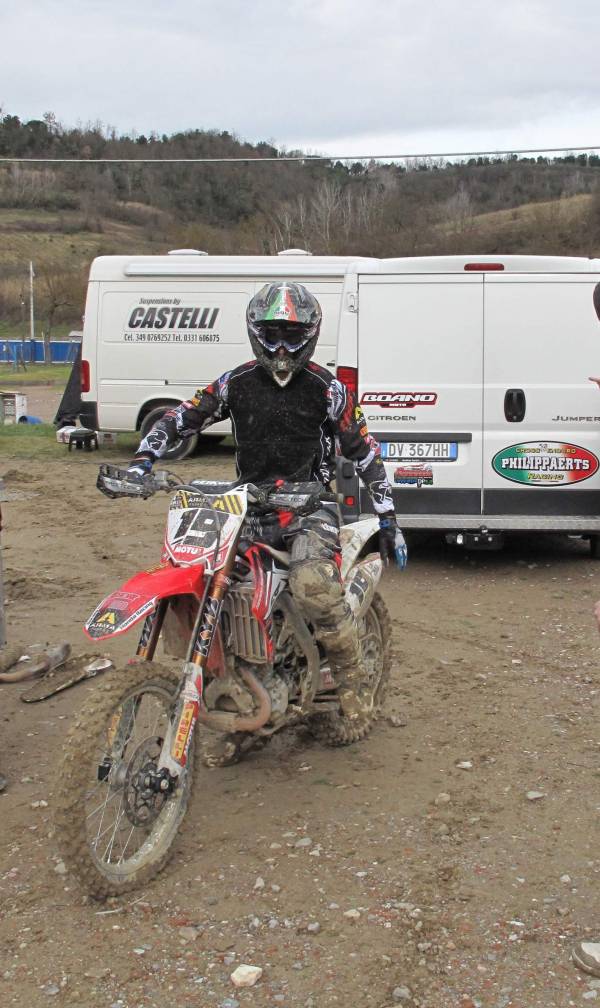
[58, 287]
[458, 210]
[324, 208]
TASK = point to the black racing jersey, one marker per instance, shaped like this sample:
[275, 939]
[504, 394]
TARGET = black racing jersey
[287, 432]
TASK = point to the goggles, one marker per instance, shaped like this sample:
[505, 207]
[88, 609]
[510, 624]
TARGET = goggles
[290, 337]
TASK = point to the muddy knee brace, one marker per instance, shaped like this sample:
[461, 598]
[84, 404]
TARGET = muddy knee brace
[316, 586]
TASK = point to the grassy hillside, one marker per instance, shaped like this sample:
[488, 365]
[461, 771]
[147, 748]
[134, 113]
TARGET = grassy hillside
[64, 238]
[61, 247]
[34, 234]
[548, 227]
[62, 244]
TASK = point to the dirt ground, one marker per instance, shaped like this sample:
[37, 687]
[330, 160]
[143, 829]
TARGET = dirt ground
[468, 893]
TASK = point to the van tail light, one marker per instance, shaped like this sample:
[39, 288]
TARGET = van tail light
[490, 266]
[85, 376]
[348, 377]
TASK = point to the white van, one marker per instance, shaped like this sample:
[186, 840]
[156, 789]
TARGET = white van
[472, 372]
[159, 327]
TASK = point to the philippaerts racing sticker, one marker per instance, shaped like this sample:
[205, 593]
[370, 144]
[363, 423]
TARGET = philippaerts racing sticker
[545, 463]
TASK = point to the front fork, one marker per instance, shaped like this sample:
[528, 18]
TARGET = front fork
[174, 753]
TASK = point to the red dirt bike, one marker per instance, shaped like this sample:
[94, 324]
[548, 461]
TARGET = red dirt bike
[251, 666]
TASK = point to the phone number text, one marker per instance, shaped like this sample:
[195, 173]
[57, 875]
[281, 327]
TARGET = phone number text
[138, 337]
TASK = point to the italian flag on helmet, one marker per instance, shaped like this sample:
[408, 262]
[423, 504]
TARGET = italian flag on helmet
[282, 309]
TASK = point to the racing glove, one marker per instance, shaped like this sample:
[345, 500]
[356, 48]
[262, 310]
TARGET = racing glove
[139, 468]
[391, 542]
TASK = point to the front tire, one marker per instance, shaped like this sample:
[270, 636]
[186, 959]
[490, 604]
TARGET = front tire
[111, 835]
[375, 630]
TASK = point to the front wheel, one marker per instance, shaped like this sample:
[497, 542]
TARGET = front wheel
[375, 638]
[114, 831]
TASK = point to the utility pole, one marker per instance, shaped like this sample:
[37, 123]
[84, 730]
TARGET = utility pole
[2, 618]
[22, 299]
[31, 316]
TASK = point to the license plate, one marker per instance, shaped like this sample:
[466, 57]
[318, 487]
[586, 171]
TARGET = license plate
[415, 451]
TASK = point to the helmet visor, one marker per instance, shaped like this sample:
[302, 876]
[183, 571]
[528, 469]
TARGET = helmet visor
[292, 337]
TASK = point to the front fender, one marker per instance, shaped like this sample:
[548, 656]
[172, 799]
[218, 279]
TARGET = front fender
[140, 595]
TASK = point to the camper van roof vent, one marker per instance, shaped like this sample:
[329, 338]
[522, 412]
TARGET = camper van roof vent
[294, 252]
[186, 252]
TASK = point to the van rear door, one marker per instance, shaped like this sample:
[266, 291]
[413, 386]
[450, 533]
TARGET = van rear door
[420, 373]
[541, 414]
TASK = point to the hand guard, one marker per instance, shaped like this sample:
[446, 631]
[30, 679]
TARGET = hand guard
[113, 481]
[391, 542]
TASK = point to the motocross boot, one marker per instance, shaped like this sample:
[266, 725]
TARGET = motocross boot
[316, 587]
[346, 664]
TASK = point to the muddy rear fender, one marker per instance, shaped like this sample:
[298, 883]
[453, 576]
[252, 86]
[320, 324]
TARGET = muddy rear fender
[140, 595]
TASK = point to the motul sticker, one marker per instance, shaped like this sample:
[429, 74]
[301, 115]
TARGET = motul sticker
[399, 400]
[545, 463]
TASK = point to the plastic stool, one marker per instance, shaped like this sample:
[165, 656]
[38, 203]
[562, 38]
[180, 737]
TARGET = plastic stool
[83, 439]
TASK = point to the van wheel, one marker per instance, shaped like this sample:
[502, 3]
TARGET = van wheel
[182, 448]
[595, 547]
[206, 442]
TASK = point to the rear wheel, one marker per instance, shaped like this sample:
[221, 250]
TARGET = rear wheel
[182, 448]
[116, 831]
[375, 637]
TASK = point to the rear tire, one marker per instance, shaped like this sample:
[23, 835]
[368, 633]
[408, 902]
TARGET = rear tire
[102, 762]
[375, 630]
[594, 547]
[182, 448]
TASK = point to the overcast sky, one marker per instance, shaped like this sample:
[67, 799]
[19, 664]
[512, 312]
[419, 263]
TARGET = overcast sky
[330, 76]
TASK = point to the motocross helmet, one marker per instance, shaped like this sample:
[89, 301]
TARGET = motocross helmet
[283, 321]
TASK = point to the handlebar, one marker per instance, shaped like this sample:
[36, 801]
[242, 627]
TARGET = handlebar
[115, 482]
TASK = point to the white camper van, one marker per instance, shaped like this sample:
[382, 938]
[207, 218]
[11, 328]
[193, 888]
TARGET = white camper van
[472, 373]
[159, 327]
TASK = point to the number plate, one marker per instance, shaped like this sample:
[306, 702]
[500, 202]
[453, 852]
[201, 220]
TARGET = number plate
[415, 451]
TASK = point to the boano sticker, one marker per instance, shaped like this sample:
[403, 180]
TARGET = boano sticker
[545, 463]
[399, 400]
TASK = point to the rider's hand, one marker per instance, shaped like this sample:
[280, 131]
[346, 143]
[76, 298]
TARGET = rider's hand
[391, 541]
[137, 469]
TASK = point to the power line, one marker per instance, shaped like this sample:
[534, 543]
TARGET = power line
[302, 157]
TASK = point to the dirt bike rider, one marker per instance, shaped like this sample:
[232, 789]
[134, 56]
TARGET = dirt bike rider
[287, 414]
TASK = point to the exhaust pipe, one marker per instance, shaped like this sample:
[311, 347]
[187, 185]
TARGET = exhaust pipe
[227, 721]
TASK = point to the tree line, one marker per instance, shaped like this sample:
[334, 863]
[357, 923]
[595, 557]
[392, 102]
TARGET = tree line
[328, 207]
